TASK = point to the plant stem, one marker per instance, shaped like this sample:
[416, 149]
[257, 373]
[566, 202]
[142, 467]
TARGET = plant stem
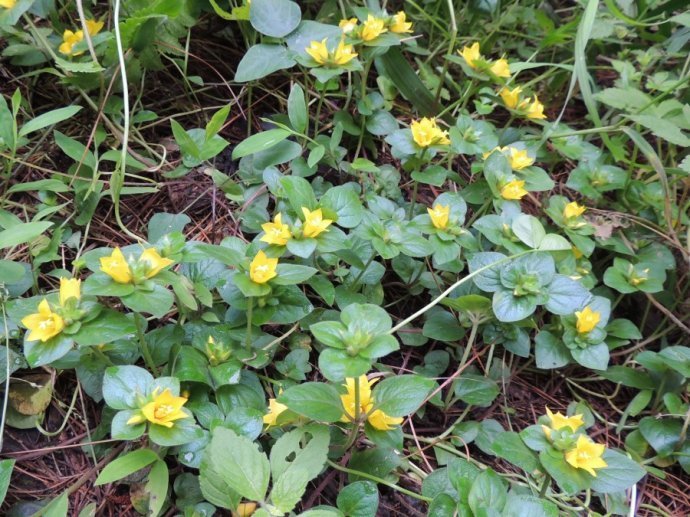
[545, 486]
[457, 284]
[379, 481]
[144, 346]
[465, 356]
[248, 339]
[413, 200]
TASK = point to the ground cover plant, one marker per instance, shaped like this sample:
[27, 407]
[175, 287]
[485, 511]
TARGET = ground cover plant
[345, 258]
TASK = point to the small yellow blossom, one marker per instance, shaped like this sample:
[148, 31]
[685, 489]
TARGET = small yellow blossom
[348, 25]
[163, 410]
[69, 40]
[510, 97]
[519, 159]
[342, 54]
[572, 210]
[262, 268]
[116, 267]
[8, 4]
[439, 216]
[276, 232]
[378, 419]
[244, 510]
[275, 408]
[559, 421]
[155, 263]
[69, 288]
[94, 26]
[314, 223]
[471, 55]
[44, 324]
[500, 68]
[587, 319]
[535, 110]
[514, 190]
[373, 28]
[399, 23]
[636, 278]
[425, 133]
[586, 455]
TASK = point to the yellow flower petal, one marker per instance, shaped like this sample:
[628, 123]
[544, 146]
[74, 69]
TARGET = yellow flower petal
[439, 216]
[69, 288]
[587, 320]
[116, 267]
[262, 268]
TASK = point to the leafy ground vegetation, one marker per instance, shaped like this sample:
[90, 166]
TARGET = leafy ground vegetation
[345, 259]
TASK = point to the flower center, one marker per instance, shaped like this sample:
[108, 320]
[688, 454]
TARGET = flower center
[163, 411]
[46, 324]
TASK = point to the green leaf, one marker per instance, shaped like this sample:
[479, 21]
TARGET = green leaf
[49, 119]
[619, 474]
[510, 447]
[58, 507]
[157, 487]
[550, 352]
[297, 110]
[395, 67]
[290, 274]
[359, 499]
[554, 242]
[216, 123]
[568, 478]
[21, 233]
[163, 223]
[488, 492]
[125, 465]
[259, 142]
[529, 230]
[476, 390]
[275, 18]
[262, 60]
[239, 463]
[314, 400]
[109, 326]
[156, 302]
[121, 384]
[299, 192]
[662, 128]
[401, 395]
[214, 488]
[296, 458]
[6, 467]
[662, 434]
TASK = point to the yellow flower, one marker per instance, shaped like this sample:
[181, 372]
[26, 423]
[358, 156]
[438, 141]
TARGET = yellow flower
[44, 324]
[513, 190]
[262, 268]
[399, 24]
[94, 26]
[572, 210]
[8, 4]
[535, 109]
[373, 28]
[342, 55]
[275, 408]
[425, 132]
[244, 510]
[439, 216]
[347, 26]
[116, 267]
[471, 55]
[69, 288]
[163, 410]
[154, 262]
[519, 159]
[500, 68]
[587, 319]
[276, 232]
[69, 40]
[314, 223]
[559, 421]
[586, 455]
[378, 419]
[510, 97]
